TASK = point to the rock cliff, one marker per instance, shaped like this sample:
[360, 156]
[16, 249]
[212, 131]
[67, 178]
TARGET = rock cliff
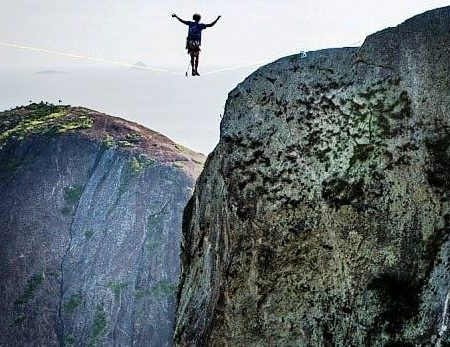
[90, 224]
[322, 217]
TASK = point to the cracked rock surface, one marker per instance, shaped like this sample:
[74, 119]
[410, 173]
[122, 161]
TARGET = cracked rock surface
[90, 223]
[322, 217]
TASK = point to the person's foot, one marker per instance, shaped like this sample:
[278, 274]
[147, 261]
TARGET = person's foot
[196, 73]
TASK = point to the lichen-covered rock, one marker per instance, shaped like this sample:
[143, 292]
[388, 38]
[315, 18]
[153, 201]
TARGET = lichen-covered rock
[90, 223]
[322, 217]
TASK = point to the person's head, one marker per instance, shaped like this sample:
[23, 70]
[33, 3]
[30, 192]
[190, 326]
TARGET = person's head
[196, 17]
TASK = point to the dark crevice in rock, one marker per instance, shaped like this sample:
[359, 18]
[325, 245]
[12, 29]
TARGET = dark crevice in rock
[339, 192]
[360, 60]
[62, 336]
[400, 297]
[439, 172]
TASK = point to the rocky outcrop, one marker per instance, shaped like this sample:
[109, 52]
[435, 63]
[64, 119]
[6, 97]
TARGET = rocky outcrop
[90, 224]
[322, 217]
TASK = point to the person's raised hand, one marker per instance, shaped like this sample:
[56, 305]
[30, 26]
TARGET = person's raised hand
[174, 15]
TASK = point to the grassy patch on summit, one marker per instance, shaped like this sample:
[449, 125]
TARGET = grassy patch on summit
[41, 118]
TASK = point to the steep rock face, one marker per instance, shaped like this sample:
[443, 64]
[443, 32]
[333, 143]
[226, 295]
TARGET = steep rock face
[90, 224]
[322, 217]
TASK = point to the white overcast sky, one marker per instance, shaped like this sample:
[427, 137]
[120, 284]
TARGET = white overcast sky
[142, 30]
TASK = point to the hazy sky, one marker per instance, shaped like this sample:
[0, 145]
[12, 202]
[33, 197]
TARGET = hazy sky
[142, 30]
[186, 110]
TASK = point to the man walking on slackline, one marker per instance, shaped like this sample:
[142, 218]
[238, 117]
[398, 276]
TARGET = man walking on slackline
[194, 38]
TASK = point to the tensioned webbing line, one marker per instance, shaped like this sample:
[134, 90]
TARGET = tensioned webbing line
[85, 57]
[114, 62]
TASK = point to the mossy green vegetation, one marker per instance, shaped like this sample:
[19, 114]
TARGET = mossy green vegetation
[125, 144]
[80, 122]
[180, 148]
[69, 339]
[88, 234]
[41, 118]
[32, 285]
[72, 195]
[99, 325]
[116, 288]
[133, 137]
[163, 288]
[72, 303]
[130, 140]
[108, 141]
[136, 165]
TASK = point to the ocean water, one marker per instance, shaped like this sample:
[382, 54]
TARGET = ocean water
[187, 110]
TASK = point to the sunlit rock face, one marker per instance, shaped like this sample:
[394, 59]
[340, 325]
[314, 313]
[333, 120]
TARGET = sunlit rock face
[322, 217]
[90, 222]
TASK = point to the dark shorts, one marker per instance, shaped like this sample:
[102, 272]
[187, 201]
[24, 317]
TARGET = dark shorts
[192, 46]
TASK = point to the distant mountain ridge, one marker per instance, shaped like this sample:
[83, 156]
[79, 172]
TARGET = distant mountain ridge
[139, 66]
[49, 72]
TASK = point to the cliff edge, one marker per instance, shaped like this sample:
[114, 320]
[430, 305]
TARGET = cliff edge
[322, 217]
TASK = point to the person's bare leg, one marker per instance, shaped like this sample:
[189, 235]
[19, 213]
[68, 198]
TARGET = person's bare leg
[193, 64]
[196, 63]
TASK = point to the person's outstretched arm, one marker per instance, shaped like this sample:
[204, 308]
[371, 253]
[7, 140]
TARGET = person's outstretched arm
[181, 20]
[213, 23]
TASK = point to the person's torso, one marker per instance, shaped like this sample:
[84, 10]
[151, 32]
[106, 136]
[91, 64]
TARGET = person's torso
[195, 31]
